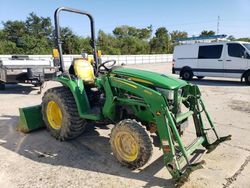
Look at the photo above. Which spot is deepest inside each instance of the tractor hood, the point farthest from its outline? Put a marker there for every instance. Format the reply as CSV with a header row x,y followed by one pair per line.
x,y
151,78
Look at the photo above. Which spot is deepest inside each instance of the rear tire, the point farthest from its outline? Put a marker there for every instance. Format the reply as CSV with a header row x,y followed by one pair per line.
x,y
131,144
60,114
187,75
247,78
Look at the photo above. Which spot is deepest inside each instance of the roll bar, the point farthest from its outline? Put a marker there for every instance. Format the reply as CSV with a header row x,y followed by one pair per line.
x,y
58,34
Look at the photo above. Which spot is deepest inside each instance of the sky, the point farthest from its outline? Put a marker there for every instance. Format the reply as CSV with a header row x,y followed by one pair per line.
x,y
192,16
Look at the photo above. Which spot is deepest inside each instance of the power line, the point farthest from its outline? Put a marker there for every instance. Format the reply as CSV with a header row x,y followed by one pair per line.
x,y
235,20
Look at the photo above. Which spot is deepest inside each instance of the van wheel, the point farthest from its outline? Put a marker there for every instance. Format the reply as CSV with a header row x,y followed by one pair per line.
x,y
247,78
187,75
200,77
2,86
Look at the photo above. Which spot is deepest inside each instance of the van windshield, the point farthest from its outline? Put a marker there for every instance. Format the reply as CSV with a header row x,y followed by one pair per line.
x,y
247,45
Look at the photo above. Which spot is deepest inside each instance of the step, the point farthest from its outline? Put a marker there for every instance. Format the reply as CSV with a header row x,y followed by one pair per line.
x,y
182,116
195,144
193,147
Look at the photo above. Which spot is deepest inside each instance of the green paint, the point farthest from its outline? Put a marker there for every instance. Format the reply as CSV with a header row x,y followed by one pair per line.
x,y
30,119
137,90
77,88
158,80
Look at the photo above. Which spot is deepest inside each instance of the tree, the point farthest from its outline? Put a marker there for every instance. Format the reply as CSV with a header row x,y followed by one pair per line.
x,y
160,43
71,44
34,36
128,31
85,45
39,26
245,39
133,45
207,33
39,35
132,40
178,35
108,43
231,38
144,33
6,46
174,36
13,30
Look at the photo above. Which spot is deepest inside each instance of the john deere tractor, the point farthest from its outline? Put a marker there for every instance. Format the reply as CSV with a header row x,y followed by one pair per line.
x,y
137,102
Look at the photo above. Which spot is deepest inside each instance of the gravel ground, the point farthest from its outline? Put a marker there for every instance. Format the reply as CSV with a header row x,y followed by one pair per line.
x,y
38,160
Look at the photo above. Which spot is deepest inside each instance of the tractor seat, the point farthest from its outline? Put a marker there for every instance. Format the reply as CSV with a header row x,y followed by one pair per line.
x,y
83,69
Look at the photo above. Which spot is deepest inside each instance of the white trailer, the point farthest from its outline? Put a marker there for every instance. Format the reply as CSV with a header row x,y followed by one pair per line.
x,y
21,69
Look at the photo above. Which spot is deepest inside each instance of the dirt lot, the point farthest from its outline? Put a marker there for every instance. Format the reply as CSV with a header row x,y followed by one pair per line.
x,y
38,160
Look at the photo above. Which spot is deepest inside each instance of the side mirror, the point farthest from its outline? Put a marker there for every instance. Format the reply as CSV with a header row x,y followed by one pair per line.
x,y
246,55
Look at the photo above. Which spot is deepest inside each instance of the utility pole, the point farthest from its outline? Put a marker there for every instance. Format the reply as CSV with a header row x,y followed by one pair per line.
x,y
218,25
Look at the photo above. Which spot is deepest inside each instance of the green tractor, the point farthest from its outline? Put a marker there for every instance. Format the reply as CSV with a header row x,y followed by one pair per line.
x,y
135,101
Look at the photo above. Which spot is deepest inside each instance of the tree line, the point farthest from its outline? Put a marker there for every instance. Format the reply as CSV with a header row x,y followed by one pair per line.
x,y
35,35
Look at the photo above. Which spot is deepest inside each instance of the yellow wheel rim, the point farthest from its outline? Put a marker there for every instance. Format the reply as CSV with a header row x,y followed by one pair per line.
x,y
54,115
126,146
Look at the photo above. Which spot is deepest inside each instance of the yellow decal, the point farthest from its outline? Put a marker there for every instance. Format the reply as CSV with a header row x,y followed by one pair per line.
x,y
158,113
141,80
131,85
148,92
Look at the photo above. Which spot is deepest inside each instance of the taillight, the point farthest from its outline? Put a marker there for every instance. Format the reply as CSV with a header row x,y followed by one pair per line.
x,y
173,63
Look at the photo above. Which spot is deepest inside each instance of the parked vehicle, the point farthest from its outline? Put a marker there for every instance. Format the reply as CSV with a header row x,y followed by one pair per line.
x,y
216,59
21,69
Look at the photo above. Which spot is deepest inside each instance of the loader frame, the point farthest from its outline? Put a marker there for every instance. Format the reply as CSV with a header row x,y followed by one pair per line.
x,y
176,160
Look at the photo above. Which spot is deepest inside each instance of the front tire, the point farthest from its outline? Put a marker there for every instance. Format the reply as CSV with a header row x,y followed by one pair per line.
x,y
187,75
131,144
247,78
60,114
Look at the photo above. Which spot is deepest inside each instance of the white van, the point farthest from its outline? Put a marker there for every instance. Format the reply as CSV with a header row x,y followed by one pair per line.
x,y
217,59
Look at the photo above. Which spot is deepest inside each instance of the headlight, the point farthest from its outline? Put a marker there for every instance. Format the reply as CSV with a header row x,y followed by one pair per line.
x,y
168,93
179,92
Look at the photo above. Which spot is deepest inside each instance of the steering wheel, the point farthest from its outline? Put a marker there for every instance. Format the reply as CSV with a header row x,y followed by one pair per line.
x,y
109,67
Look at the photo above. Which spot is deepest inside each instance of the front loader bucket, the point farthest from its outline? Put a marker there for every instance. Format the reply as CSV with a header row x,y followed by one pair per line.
x,y
30,119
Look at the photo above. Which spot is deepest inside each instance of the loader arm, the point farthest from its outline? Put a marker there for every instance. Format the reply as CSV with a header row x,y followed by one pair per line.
x,y
177,162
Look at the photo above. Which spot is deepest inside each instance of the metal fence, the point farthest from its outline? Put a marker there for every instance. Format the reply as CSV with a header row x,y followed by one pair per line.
x,y
121,59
